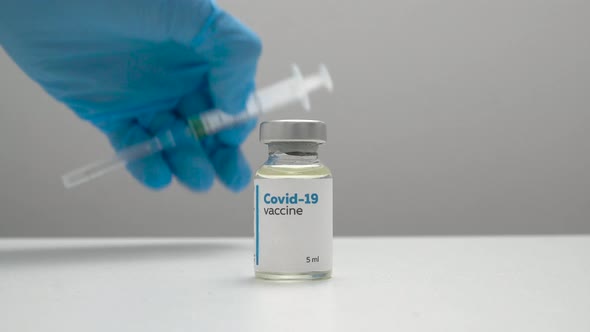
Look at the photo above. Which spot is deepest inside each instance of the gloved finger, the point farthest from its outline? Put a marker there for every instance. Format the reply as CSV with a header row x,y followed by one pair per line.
x,y
152,171
194,103
188,161
168,126
230,164
190,164
156,121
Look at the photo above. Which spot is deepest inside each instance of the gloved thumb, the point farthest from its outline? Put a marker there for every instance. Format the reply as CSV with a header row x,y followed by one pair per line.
x,y
232,51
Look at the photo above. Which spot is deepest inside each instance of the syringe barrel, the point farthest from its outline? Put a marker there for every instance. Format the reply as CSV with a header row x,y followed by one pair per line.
x,y
259,102
275,96
141,150
134,152
213,121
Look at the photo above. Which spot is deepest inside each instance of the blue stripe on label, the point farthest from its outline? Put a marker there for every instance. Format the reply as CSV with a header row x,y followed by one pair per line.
x,y
257,228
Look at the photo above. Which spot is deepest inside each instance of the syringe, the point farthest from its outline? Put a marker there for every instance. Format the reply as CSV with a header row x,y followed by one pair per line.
x,y
266,100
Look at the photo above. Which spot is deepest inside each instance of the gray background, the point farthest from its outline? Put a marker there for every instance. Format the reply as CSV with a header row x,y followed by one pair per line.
x,y
449,117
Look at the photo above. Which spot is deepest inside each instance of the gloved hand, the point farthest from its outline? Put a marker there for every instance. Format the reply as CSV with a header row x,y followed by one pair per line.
x,y
134,68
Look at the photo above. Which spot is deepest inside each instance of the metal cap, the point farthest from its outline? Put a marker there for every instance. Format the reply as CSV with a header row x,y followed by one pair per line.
x,y
293,131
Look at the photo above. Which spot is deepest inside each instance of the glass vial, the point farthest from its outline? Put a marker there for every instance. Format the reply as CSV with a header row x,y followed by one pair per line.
x,y
293,203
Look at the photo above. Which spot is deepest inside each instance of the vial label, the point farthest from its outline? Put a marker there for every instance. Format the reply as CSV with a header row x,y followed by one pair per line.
x,y
293,225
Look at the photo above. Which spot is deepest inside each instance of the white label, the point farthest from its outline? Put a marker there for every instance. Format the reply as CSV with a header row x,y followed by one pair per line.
x,y
293,225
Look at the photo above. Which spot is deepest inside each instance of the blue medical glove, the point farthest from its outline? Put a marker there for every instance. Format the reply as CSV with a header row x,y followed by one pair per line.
x,y
135,68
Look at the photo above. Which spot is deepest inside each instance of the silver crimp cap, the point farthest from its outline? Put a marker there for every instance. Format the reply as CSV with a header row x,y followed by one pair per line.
x,y
293,131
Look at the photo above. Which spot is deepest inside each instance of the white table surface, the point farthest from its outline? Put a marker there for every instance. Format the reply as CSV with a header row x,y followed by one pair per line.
x,y
379,284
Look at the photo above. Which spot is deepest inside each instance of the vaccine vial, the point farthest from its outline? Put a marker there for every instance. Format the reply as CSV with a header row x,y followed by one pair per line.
x,y
293,203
